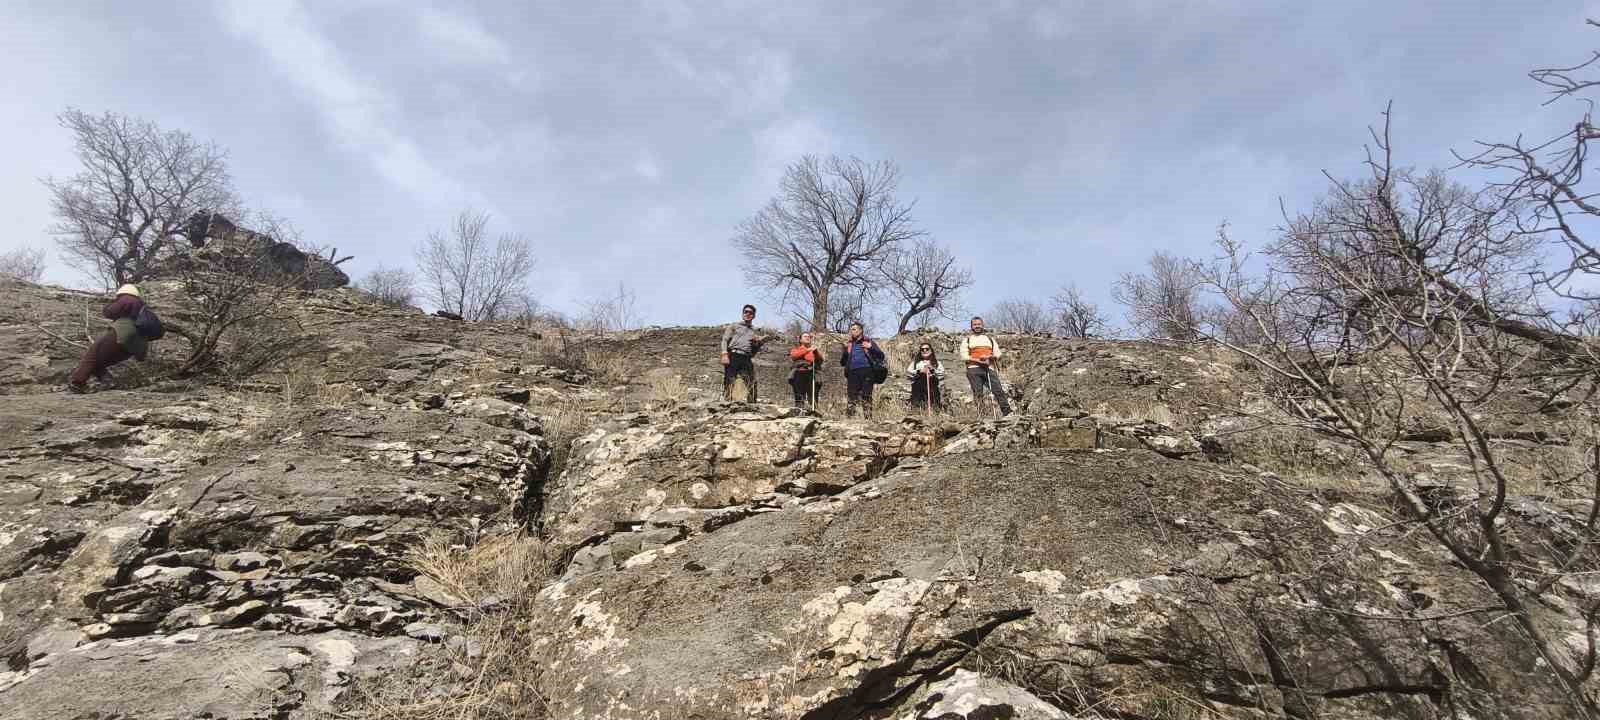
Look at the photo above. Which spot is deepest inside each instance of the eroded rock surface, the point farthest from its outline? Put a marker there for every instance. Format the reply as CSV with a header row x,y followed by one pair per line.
x,y
1109,551
217,559
1084,572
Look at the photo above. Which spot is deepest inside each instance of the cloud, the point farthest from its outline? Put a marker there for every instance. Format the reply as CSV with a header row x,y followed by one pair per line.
x,y
354,109
646,167
460,37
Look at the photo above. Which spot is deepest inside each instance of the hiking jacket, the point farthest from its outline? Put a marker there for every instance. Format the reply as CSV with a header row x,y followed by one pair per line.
x,y
914,370
975,347
857,356
125,306
804,358
121,312
740,338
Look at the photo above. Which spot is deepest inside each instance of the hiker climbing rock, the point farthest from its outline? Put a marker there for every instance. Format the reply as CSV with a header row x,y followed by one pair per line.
x,y
803,377
863,368
739,343
926,374
981,352
133,327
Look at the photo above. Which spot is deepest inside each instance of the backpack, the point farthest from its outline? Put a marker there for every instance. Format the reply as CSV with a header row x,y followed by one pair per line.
x,y
879,370
148,324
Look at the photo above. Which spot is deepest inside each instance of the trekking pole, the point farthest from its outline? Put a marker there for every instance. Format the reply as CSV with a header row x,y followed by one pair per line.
x,y
996,387
814,382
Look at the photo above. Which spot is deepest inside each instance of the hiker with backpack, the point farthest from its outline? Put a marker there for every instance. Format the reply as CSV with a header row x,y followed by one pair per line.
x,y
926,374
863,363
739,343
803,376
981,352
132,328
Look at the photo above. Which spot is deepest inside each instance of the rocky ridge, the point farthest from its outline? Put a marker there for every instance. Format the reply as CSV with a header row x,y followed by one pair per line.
x,y
1115,550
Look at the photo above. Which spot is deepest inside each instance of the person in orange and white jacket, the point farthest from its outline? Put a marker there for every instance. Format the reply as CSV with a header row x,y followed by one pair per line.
x,y
803,377
980,350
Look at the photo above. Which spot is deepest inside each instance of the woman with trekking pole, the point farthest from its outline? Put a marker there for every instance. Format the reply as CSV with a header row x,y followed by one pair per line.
x,y
927,376
803,373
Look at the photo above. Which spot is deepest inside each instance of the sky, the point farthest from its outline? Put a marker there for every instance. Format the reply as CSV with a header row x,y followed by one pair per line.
x,y
1045,143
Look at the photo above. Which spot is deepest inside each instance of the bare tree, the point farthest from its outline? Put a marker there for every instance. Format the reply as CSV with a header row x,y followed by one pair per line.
x,y
394,287
1019,316
466,273
615,312
1076,316
924,279
853,305
1164,303
241,314
122,213
830,228
1407,294
524,310
24,263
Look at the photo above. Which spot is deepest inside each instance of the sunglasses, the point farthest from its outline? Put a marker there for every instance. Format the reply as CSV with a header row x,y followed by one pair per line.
x,y
926,348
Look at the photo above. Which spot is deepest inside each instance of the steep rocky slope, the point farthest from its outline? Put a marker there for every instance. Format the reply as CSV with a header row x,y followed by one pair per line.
x,y
1117,549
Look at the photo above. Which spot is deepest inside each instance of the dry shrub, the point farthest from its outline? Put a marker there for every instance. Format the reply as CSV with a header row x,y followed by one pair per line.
x,y
1298,455
737,390
606,368
498,672
666,390
557,347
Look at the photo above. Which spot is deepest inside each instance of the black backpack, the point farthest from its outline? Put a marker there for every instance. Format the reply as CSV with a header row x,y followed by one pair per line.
x,y
879,370
148,324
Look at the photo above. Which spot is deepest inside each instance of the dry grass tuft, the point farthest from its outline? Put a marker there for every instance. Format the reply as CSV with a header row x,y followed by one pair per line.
x,y
307,384
1136,411
1056,681
667,390
607,369
564,423
497,670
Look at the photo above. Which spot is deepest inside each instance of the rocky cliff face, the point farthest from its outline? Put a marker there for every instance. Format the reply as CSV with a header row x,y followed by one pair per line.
x,y
272,551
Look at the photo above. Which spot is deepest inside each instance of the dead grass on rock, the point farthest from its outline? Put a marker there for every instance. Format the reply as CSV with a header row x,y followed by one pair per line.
x,y
492,666
666,390
564,423
606,368
1057,682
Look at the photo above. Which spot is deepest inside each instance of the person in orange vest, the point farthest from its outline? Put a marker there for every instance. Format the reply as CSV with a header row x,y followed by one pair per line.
x,y
803,377
980,351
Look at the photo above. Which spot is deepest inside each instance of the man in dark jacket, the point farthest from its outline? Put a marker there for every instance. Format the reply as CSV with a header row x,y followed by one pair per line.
x,y
859,356
120,342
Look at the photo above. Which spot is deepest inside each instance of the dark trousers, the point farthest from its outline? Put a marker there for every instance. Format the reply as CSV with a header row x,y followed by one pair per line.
x,y
986,380
104,353
739,366
858,389
805,391
921,388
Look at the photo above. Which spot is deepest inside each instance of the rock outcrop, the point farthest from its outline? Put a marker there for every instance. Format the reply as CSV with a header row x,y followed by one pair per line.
x,y
1116,549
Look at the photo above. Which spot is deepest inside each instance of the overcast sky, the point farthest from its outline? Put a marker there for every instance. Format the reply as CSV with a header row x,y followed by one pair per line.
x,y
1047,143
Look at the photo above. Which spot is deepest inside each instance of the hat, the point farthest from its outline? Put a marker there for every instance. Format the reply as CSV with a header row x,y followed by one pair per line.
x,y
128,289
